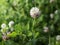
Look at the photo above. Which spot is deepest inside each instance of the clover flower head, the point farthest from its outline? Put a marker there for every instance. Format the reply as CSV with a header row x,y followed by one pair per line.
x,y
51,1
46,29
58,37
51,15
34,12
11,23
56,11
3,26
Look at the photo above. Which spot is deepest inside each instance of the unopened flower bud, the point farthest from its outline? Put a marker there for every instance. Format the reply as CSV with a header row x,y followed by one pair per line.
x,y
11,23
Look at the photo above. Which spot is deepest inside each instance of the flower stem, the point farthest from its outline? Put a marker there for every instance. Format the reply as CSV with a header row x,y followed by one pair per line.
x,y
54,40
33,32
2,42
49,40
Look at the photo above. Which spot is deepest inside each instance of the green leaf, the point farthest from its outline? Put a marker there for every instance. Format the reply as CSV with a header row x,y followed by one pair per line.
x,y
30,34
36,34
13,34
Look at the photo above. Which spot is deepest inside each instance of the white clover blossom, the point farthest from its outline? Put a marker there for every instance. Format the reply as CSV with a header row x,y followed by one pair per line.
x,y
58,37
56,11
46,29
11,23
51,15
3,26
51,1
34,12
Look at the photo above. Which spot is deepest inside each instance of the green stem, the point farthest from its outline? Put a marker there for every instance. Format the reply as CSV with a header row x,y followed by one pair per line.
x,y
49,40
34,2
58,42
54,40
2,42
33,32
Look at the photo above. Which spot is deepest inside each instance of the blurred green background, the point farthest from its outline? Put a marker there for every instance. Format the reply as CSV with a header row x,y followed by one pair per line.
x,y
19,12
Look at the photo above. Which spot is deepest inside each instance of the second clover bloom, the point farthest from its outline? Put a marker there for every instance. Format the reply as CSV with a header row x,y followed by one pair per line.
x,y
58,37
11,23
46,29
34,12
56,11
3,26
51,1
51,16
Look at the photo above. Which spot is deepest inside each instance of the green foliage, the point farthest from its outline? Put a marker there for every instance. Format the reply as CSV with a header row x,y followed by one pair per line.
x,y
29,31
